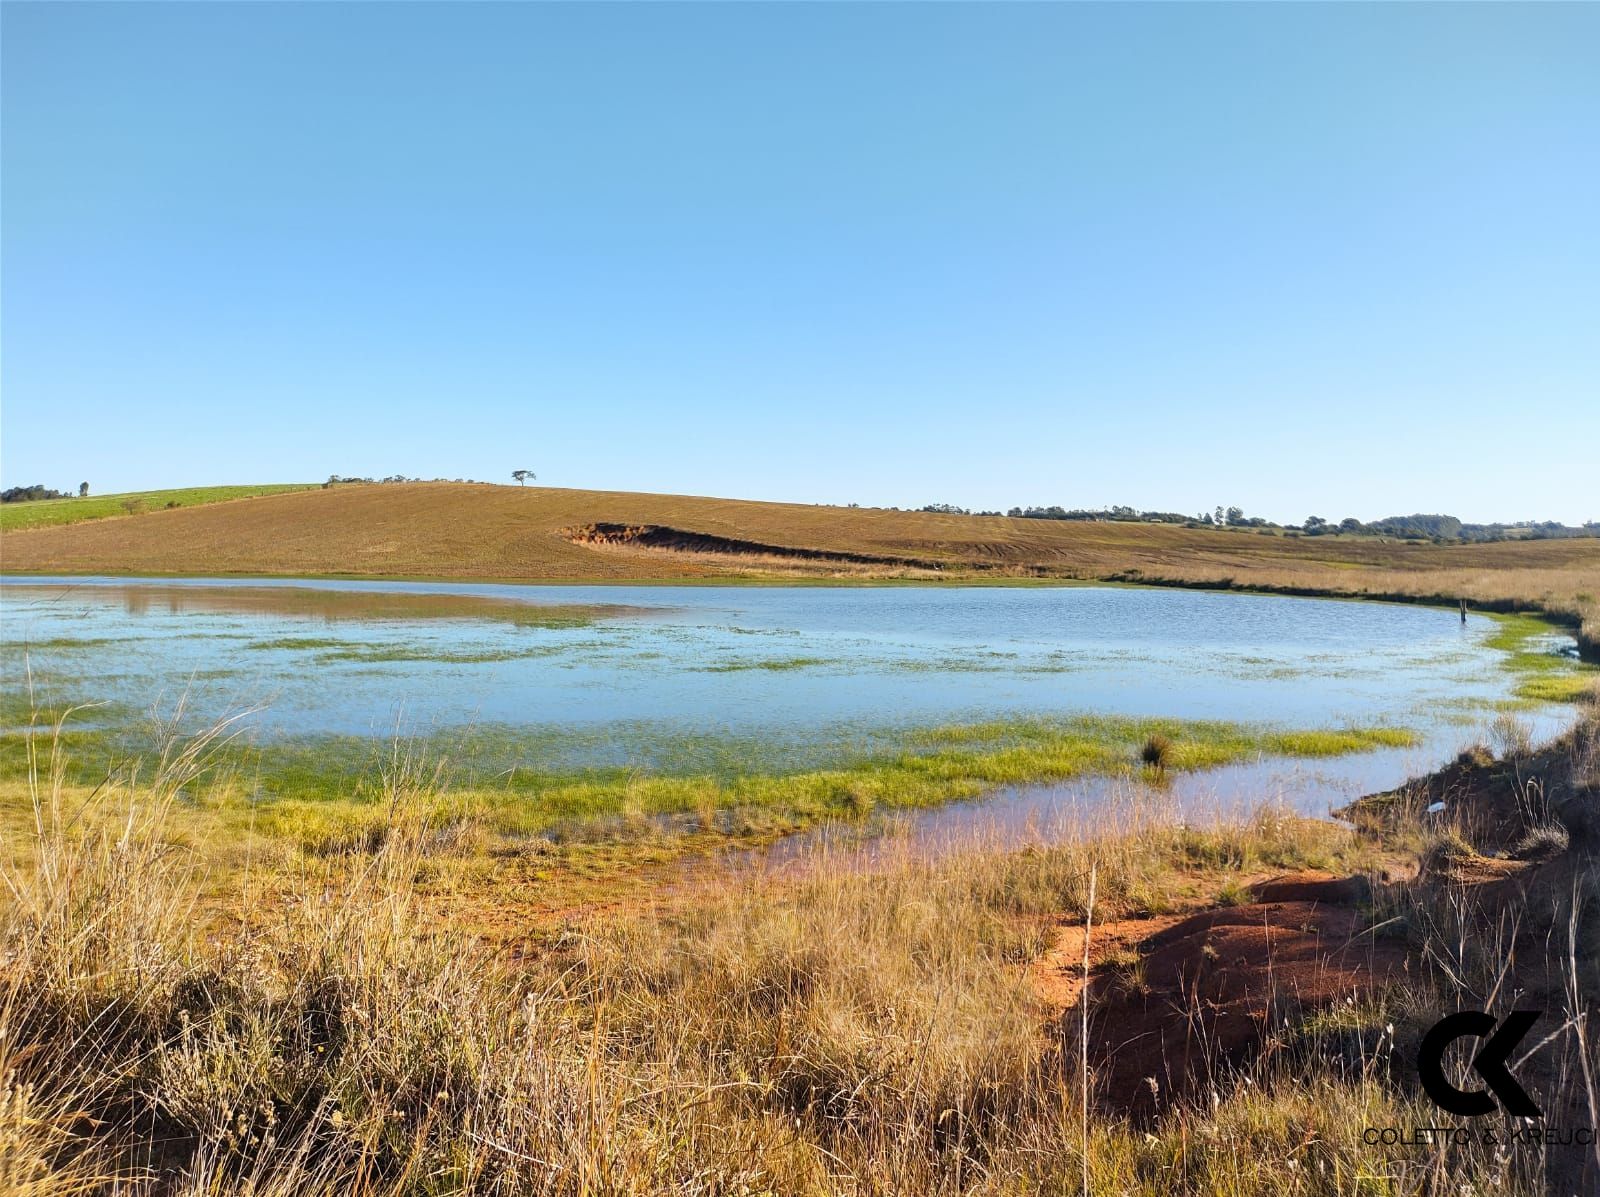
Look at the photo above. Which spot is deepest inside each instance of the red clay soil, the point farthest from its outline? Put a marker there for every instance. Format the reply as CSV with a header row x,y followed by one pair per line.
x,y
1203,995
657,538
1177,1001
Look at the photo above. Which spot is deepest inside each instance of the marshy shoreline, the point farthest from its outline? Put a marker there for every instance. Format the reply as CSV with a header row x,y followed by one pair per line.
x,y
622,778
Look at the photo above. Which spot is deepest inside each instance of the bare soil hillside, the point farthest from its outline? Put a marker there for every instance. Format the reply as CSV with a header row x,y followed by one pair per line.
x,y
449,530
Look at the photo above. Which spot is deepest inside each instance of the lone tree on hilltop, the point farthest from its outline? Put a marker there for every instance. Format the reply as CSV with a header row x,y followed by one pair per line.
x,y
83,490
522,476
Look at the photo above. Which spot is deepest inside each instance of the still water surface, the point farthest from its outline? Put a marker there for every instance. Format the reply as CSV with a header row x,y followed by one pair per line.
x,y
797,665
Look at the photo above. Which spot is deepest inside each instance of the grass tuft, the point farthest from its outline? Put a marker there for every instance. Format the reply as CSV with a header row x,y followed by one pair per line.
x,y
1156,751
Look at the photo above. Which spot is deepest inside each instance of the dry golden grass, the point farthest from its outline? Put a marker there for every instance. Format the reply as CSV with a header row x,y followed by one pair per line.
x,y
853,1032
448,530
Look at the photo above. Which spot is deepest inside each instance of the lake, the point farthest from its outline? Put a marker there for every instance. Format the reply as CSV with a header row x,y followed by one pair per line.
x,y
632,674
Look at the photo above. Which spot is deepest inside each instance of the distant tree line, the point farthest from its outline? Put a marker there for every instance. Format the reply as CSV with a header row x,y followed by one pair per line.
x,y
27,494
351,479
1448,527
1221,517
947,509
1398,527
1125,515
522,477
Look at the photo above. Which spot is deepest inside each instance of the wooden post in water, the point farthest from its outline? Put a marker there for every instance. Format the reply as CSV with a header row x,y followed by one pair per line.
x,y
1463,610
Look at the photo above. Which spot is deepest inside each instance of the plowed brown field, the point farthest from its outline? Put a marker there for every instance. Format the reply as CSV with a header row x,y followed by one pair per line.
x,y
447,530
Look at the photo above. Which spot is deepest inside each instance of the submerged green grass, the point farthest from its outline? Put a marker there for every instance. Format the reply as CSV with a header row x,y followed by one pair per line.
x,y
1543,674
1319,742
372,654
296,644
775,665
325,792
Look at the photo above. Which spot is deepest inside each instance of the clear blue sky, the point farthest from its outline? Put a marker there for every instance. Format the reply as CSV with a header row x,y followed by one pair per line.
x,y
1305,259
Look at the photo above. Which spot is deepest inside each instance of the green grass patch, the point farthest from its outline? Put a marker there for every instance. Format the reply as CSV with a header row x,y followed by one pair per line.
x,y
777,665
1544,674
58,643
295,644
522,782
45,707
1571,687
1337,741
45,513
379,653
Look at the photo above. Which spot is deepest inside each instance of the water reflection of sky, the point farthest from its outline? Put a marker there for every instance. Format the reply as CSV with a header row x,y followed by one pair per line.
x,y
791,661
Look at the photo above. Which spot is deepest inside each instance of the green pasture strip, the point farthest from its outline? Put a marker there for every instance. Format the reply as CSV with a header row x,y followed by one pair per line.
x,y
45,513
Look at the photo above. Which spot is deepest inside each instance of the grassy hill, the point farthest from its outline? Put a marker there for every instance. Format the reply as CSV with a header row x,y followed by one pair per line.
x,y
451,530
46,513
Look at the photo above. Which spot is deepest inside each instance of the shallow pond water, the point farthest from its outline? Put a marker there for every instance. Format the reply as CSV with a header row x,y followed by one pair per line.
x,y
1016,816
796,666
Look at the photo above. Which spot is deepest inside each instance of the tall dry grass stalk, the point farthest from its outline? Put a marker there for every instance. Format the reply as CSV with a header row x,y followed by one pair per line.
x,y
1083,1021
